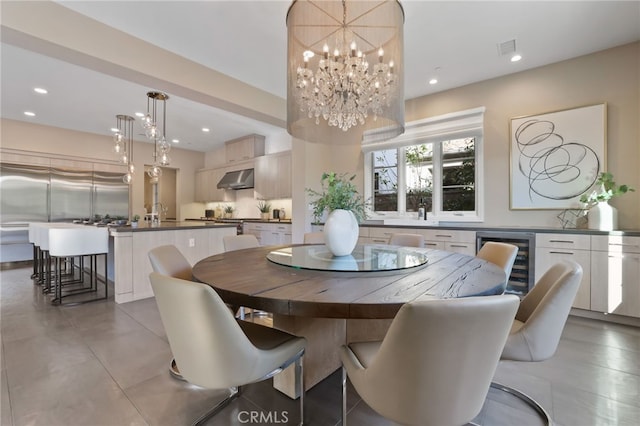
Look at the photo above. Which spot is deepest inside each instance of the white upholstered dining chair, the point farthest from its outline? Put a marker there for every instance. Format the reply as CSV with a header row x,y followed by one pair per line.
x,y
538,324
406,240
168,260
239,242
216,351
501,254
436,362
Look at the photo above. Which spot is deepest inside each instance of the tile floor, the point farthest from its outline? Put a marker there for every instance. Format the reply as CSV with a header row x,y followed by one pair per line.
x,y
106,364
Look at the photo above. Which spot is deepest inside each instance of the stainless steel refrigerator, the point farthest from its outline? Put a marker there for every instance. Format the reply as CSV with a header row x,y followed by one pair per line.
x,y
110,195
42,194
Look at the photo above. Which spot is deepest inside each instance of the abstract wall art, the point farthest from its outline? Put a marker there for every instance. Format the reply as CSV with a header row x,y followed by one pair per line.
x,y
556,157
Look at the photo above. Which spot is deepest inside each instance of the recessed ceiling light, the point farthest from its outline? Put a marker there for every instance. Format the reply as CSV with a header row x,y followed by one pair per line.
x,y
205,129
40,90
516,58
433,81
115,129
175,140
139,114
30,114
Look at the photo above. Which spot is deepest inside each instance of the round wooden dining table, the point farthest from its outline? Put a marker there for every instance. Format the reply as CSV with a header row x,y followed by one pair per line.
x,y
333,301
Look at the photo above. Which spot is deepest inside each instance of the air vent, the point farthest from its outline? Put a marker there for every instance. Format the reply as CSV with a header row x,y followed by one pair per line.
x,y
507,47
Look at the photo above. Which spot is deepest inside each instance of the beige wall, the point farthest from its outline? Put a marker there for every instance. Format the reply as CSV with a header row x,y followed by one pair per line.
x,y
68,144
611,76
310,160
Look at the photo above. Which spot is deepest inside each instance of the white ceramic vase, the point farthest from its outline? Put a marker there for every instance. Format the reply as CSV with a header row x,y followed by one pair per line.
x,y
341,232
603,217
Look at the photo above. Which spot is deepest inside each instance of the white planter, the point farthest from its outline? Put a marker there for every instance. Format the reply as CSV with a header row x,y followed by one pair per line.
x,y
603,217
341,232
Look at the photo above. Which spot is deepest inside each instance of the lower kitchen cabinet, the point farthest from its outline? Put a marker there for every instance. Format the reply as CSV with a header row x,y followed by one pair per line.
x,y
552,248
615,272
269,234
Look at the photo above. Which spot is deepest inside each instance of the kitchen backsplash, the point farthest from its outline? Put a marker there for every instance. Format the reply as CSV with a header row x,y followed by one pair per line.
x,y
247,207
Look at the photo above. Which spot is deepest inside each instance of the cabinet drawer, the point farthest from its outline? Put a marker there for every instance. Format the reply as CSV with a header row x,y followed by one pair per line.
x,y
437,245
564,241
615,244
547,257
449,235
464,248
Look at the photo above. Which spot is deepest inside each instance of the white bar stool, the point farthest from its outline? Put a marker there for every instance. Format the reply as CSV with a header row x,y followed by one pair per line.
x,y
39,233
79,241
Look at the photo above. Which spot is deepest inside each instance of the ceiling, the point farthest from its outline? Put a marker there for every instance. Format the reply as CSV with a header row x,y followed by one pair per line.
x,y
455,41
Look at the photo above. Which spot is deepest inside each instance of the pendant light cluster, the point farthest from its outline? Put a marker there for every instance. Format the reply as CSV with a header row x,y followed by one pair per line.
x,y
123,146
123,137
152,131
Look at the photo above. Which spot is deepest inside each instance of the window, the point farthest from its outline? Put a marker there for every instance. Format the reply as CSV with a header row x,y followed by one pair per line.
x,y
436,163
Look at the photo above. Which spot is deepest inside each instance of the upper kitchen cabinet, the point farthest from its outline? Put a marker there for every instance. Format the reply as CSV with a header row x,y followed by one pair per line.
x,y
273,176
207,189
244,148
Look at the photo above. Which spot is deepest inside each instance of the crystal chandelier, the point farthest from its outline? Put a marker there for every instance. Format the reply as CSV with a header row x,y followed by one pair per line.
x,y
123,146
152,131
331,83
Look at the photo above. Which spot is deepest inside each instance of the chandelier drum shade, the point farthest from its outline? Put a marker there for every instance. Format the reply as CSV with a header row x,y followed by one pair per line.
x,y
345,71
123,144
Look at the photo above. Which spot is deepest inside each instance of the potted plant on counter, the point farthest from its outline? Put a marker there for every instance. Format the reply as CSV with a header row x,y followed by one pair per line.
x,y
228,212
264,208
601,215
346,207
134,221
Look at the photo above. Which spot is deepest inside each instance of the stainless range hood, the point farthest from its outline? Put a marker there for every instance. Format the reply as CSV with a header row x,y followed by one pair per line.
x,y
238,179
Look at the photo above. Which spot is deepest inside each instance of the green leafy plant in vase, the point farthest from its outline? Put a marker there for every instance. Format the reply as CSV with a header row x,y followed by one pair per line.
x,y
340,198
135,220
601,215
264,208
228,212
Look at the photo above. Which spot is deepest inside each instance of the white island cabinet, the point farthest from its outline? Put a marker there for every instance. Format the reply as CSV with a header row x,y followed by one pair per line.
x,y
131,248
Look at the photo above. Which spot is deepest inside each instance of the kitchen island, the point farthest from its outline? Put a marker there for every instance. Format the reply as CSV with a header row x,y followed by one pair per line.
x,y
129,248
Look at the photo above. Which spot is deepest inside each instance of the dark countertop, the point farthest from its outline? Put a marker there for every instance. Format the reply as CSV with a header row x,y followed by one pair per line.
x,y
482,228
172,226
241,219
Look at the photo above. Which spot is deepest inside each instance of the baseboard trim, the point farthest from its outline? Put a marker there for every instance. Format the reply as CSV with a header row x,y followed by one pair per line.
x,y
618,319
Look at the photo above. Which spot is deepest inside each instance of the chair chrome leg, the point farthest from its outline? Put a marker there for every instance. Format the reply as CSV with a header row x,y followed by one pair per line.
x,y
300,385
526,399
233,394
344,396
174,371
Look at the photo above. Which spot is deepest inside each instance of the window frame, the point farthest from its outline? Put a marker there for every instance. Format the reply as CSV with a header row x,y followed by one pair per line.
x,y
457,125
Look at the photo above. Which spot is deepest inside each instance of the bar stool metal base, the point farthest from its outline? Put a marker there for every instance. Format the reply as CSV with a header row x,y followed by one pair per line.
x,y
526,399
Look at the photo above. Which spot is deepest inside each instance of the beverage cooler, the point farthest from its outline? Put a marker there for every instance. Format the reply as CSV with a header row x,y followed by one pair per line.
x,y
522,277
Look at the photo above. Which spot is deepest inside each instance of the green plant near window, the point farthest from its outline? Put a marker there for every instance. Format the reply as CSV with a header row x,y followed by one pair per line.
x,y
136,217
338,192
608,189
264,207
